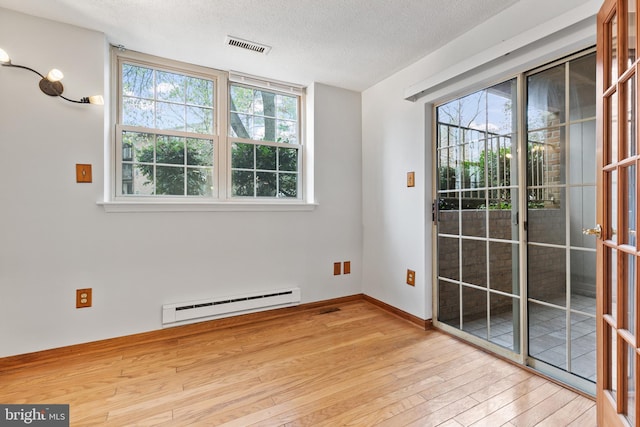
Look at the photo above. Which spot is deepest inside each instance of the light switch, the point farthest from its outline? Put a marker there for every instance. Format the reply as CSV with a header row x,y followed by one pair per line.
x,y
411,179
83,173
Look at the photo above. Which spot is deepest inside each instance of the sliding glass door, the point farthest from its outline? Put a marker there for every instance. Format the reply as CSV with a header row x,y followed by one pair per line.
x,y
515,188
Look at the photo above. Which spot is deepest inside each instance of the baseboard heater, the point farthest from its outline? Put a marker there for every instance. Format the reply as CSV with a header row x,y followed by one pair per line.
x,y
215,308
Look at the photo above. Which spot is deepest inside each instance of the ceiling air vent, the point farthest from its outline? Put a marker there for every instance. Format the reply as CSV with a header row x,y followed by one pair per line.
x,y
249,45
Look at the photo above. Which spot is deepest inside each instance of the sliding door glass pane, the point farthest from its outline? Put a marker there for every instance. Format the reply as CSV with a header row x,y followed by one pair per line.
x,y
474,262
448,258
546,97
449,303
561,191
547,274
477,212
504,321
548,334
503,267
583,346
474,312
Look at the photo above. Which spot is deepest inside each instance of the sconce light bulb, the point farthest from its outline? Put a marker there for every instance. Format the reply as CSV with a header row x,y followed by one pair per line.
x,y
55,75
96,99
4,57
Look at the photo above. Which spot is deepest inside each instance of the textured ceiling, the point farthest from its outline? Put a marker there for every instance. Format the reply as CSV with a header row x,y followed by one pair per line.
x,y
347,43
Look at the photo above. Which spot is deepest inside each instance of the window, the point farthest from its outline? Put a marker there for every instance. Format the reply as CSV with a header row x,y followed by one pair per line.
x,y
265,143
186,133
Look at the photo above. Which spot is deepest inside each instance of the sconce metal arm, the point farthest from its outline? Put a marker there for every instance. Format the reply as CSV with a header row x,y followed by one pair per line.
x,y
23,67
83,100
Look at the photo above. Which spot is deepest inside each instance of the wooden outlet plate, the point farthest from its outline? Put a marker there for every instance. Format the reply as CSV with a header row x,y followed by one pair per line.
x,y
83,298
346,267
337,268
411,277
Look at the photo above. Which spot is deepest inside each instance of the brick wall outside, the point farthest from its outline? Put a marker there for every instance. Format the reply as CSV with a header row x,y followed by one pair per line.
x,y
546,272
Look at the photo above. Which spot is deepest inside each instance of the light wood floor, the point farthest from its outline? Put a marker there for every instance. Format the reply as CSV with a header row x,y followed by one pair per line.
x,y
358,365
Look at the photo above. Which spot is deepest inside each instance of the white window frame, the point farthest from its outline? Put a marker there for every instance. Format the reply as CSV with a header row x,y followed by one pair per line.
x,y
221,199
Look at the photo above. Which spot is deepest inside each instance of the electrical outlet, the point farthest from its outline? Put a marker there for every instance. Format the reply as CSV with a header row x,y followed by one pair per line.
x,y
337,268
83,298
346,267
411,277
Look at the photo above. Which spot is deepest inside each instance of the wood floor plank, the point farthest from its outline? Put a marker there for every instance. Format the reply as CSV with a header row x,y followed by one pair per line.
x,y
214,396
587,419
317,410
445,413
350,363
440,395
450,423
389,411
543,409
503,386
569,413
300,397
376,401
430,413
520,399
472,383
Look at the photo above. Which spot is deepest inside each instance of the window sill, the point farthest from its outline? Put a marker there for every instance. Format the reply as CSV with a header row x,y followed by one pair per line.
x,y
181,206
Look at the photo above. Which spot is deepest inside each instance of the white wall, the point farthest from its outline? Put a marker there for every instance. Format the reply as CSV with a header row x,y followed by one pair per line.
x,y
393,133
54,238
397,135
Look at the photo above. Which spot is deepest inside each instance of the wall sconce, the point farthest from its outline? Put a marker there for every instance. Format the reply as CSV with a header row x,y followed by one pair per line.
x,y
50,84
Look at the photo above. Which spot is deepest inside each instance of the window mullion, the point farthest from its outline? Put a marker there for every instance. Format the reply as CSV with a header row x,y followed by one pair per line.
x,y
223,145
